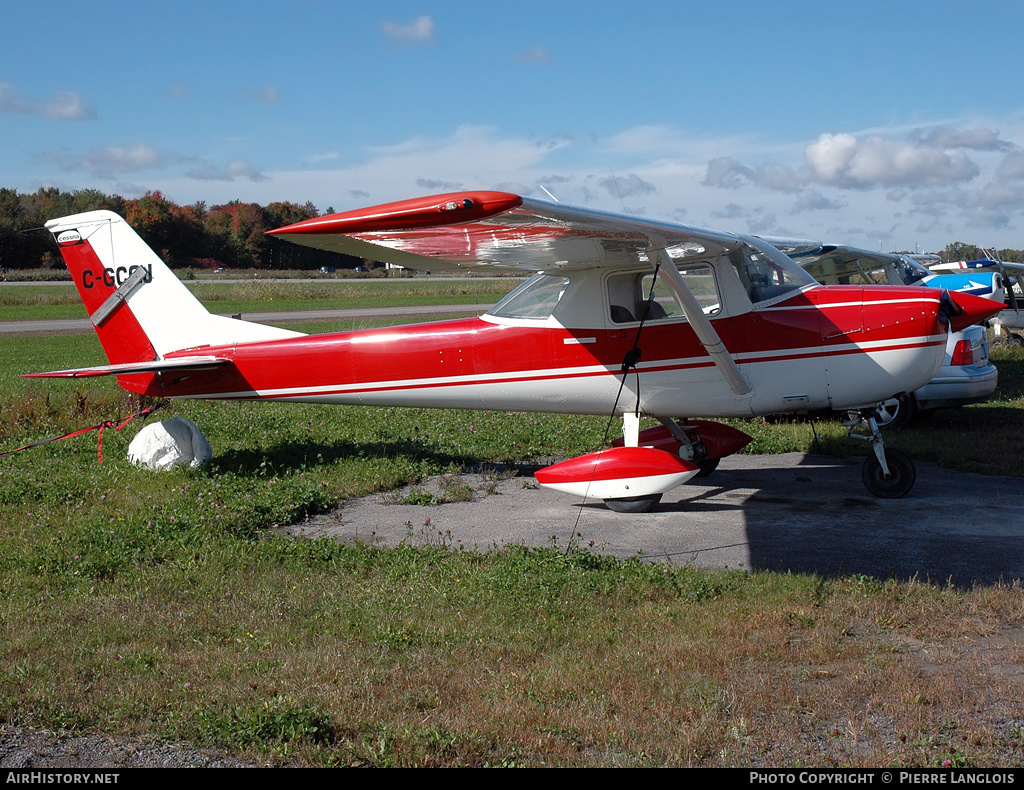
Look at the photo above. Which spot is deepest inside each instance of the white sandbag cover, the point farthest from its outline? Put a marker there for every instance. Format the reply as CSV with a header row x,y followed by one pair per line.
x,y
169,443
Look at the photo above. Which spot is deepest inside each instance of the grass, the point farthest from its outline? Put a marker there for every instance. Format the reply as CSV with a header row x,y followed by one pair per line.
x,y
160,607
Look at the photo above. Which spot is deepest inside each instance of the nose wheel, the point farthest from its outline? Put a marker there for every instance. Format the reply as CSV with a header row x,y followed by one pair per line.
x,y
887,473
892,482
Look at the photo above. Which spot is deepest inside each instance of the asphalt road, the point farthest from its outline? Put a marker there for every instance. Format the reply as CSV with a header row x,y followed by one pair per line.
x,y
791,512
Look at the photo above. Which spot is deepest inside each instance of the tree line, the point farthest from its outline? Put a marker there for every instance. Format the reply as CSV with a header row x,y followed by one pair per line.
x,y
958,251
231,235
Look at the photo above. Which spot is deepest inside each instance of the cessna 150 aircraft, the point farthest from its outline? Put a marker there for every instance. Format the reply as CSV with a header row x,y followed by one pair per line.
x,y
624,316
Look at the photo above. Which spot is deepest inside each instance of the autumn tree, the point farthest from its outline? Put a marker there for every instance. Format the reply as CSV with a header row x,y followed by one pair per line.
x,y
958,251
237,232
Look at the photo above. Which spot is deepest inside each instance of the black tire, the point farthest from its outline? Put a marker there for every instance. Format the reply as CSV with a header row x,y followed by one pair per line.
x,y
902,475
707,467
635,504
895,413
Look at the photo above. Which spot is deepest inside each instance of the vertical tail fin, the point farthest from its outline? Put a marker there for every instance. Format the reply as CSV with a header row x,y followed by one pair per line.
x,y
140,310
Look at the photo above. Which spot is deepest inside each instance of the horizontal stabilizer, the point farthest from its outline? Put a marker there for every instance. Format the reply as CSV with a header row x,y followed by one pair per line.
x,y
125,368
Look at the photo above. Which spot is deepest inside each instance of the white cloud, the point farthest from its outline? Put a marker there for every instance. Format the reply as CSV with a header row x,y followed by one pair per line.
x,y
730,211
418,31
725,172
268,94
851,162
435,184
1011,167
813,200
107,161
629,185
536,56
848,161
908,187
974,139
235,170
472,157
64,106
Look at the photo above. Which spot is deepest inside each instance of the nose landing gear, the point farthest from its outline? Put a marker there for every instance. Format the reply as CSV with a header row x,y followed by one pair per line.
x,y
887,473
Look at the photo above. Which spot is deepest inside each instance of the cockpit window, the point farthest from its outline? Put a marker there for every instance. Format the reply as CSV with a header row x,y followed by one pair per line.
x,y
765,272
536,298
910,271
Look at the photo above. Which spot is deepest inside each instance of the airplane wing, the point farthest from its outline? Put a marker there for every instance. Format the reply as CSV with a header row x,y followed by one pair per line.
x,y
458,230
959,266
124,368
498,229
807,252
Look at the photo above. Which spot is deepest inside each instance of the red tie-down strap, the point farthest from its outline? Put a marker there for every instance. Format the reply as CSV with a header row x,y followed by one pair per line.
x,y
115,424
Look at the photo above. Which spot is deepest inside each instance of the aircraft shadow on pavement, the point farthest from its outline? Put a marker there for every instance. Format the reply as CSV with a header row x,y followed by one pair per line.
x,y
799,514
817,518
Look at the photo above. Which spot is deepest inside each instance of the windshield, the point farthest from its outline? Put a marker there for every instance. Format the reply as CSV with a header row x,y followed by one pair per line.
x,y
765,272
910,271
536,298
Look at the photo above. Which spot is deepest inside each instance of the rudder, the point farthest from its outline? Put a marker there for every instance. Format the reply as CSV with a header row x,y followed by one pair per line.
x,y
139,309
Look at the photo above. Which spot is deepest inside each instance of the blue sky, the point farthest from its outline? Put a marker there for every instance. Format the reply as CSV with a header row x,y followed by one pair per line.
x,y
894,125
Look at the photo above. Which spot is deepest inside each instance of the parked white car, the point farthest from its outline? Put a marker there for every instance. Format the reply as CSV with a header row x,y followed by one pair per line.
x,y
966,376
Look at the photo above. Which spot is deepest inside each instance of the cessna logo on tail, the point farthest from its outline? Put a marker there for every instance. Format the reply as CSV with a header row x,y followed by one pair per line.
x,y
69,237
112,277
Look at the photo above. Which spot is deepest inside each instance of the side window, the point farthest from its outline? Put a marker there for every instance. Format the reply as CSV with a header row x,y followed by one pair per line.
x,y
700,279
622,297
858,275
628,295
663,303
843,272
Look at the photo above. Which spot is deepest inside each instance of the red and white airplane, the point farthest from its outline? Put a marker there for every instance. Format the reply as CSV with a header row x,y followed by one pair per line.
x,y
624,316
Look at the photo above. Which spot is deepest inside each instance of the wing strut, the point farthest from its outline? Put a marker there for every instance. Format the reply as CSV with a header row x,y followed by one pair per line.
x,y
701,325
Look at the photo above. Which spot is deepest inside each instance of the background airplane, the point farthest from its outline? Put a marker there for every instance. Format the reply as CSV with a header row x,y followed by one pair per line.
x,y
624,317
988,277
838,263
1012,273
966,376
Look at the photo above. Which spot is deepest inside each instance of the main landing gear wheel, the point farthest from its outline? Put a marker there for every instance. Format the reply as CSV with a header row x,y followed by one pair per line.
x,y
897,483
1011,339
635,504
707,466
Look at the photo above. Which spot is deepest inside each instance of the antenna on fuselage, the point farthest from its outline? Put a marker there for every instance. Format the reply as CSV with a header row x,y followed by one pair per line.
x,y
548,193
615,184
